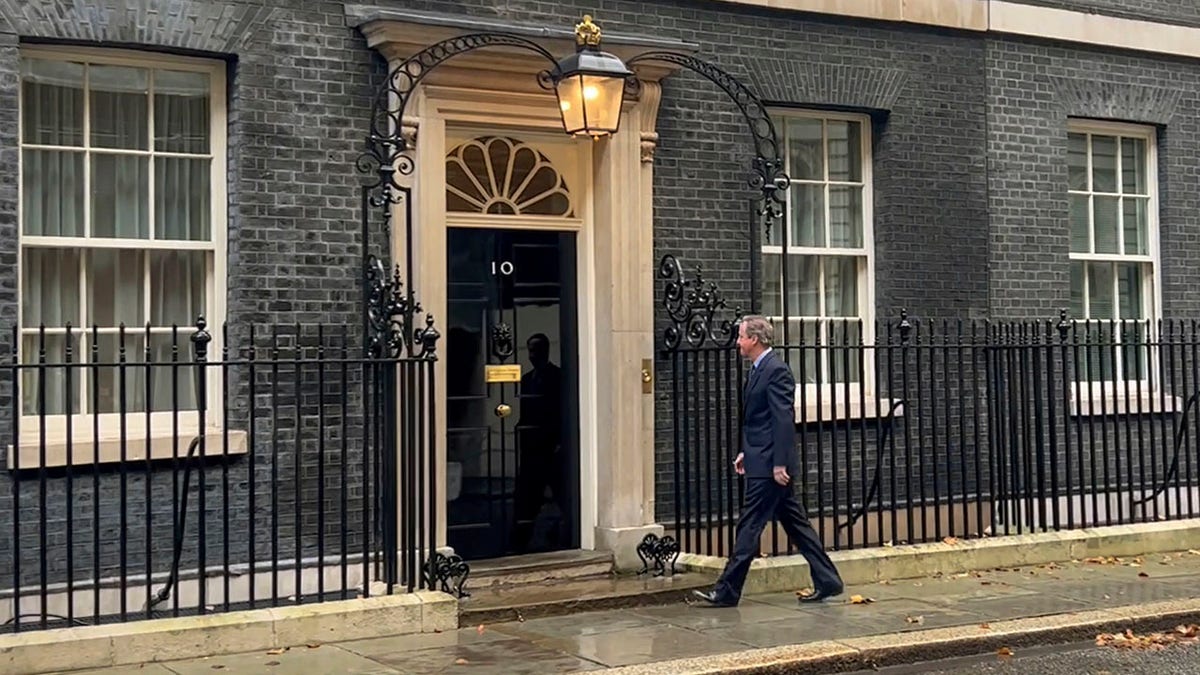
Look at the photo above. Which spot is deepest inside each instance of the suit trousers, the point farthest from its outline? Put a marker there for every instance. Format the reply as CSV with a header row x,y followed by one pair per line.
x,y
765,499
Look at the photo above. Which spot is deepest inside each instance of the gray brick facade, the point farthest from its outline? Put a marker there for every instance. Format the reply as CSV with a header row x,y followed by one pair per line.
x,y
969,149
1179,12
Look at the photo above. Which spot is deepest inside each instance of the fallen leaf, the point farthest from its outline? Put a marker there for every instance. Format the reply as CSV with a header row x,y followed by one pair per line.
x,y
217,667
480,629
860,600
1143,575
985,626
1004,652
952,541
277,651
888,544
272,663
919,620
461,662
1150,642
886,582
313,646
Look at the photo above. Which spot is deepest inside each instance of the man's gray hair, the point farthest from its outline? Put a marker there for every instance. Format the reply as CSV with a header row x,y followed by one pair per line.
x,y
760,329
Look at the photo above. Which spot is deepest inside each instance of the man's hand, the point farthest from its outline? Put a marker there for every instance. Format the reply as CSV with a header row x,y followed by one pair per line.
x,y
738,464
781,475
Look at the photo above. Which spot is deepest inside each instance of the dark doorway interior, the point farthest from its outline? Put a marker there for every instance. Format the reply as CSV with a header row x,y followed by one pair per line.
x,y
512,433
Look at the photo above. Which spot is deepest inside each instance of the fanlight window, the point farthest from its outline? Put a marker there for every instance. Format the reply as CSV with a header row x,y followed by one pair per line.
x,y
503,176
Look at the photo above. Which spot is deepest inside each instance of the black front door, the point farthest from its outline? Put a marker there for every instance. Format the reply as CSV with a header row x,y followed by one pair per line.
x,y
512,392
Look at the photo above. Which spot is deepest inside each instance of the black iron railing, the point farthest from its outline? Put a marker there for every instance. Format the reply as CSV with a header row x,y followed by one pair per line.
x,y
917,431
165,472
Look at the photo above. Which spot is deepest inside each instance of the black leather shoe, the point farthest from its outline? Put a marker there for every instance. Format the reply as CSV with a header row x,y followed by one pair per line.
x,y
821,594
711,598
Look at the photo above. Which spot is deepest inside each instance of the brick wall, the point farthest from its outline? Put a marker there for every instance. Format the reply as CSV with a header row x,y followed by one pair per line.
x,y
1181,12
969,147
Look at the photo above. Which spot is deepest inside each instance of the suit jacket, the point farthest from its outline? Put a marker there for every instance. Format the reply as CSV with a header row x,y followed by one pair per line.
x,y
768,419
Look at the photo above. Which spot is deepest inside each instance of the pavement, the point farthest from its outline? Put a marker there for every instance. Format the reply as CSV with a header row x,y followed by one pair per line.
x,y
1018,605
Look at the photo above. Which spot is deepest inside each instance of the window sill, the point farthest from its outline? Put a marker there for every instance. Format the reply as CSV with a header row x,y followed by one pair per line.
x,y
1097,404
833,408
139,446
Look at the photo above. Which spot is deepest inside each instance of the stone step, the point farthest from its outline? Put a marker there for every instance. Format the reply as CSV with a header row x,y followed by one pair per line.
x,y
500,603
538,568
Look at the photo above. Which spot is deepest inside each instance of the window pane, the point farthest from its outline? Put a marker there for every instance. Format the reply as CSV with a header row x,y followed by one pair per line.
x,y
116,288
1105,218
1133,352
772,284
845,352
802,359
1077,290
841,286
120,116
177,287
181,111
1098,338
115,381
845,216
1136,229
50,287
806,150
51,102
1100,291
173,387
1080,241
50,383
182,189
808,216
1077,162
120,196
1104,164
845,151
1129,291
1133,166
52,193
804,290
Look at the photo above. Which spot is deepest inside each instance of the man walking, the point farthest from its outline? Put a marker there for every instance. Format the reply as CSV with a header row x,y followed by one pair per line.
x,y
768,460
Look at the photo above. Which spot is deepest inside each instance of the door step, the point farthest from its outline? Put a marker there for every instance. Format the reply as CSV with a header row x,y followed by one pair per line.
x,y
521,602
539,568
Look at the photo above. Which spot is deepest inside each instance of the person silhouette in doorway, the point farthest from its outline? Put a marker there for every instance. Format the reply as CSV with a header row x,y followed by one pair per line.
x,y
539,509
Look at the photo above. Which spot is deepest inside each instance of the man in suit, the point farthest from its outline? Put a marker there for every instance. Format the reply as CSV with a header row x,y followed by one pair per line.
x,y
768,459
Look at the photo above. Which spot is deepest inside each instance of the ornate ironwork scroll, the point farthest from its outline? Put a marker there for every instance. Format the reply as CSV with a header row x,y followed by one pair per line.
x,y
661,551
692,307
766,169
391,316
387,148
448,574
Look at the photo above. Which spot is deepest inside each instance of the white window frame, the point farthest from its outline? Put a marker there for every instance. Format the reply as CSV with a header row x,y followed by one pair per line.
x,y
1115,396
832,396
167,430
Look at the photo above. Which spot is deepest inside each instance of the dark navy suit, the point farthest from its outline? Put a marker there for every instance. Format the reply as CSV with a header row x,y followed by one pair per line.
x,y
768,441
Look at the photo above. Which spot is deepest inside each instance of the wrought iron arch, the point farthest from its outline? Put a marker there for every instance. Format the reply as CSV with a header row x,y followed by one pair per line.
x,y
699,324
390,308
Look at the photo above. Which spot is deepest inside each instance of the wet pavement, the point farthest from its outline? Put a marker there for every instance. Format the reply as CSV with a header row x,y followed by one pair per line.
x,y
602,639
